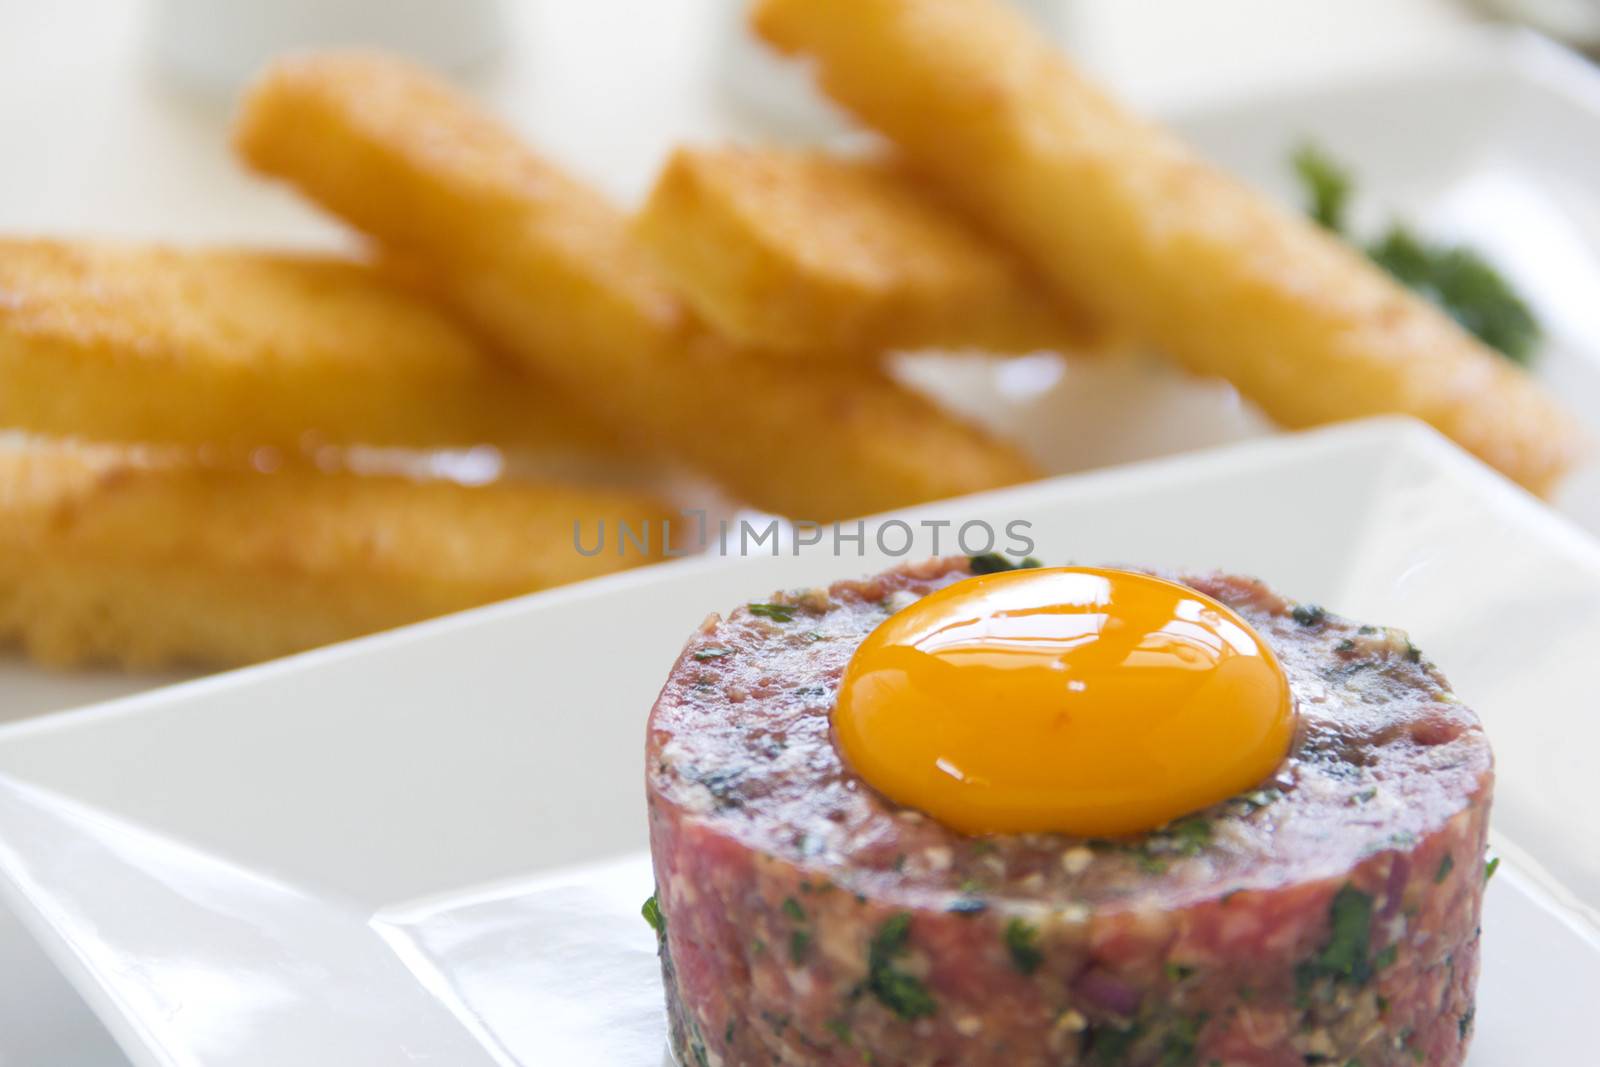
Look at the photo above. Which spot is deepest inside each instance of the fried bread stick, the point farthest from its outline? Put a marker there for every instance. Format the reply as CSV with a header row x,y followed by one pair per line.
x,y
109,554
815,253
1153,240
237,348
549,270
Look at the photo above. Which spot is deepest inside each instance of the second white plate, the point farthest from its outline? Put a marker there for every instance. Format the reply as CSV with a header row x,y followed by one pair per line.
x,y
252,901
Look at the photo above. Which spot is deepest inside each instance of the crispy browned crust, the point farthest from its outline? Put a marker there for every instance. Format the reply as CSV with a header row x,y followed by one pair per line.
x,y
1126,220
141,558
821,254
549,270
229,347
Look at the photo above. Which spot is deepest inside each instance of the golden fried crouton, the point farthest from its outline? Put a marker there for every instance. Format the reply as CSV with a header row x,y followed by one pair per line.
x,y
141,559
1151,239
240,348
548,269
815,253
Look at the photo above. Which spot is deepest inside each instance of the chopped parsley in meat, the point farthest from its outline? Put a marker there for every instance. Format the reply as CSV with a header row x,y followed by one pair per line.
x,y
1344,957
1308,614
1022,941
901,993
994,563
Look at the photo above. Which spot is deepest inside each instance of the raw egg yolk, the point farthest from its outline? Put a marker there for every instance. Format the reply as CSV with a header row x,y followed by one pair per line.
x,y
1073,700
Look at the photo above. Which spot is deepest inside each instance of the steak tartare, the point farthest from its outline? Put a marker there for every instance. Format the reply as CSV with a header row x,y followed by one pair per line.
x,y
1328,916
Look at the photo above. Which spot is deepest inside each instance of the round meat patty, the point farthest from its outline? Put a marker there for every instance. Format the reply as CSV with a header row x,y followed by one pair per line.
x,y
1329,916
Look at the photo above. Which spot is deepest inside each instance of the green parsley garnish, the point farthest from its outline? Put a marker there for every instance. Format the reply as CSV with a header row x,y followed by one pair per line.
x,y
1490,867
792,908
1465,285
1456,278
799,942
1446,865
1022,941
775,612
901,993
994,563
652,915
1327,185
712,652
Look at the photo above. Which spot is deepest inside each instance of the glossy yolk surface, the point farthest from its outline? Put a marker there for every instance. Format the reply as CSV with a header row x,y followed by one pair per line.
x,y
1084,701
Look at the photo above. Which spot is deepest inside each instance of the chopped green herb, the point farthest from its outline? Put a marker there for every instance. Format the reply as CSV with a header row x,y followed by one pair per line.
x,y
799,942
699,1051
1413,653
1178,1048
840,1029
1022,941
775,612
994,562
1179,972
1344,957
1456,278
1308,614
1256,799
792,908
1191,835
1110,1045
652,915
1463,283
1386,957
1346,645
1327,185
1490,867
1464,1023
901,993
1152,864
1446,865
712,652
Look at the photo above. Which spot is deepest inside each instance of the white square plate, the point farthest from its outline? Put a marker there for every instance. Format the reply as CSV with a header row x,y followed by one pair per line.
x,y
327,860
1492,142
